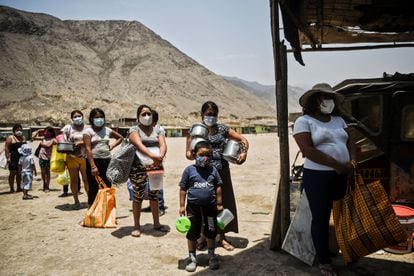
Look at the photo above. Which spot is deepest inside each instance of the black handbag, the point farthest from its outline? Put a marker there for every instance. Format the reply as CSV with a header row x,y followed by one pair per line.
x,y
37,151
65,147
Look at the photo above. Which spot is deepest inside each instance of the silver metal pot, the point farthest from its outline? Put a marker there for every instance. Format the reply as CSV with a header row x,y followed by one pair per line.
x,y
231,151
195,140
199,130
65,147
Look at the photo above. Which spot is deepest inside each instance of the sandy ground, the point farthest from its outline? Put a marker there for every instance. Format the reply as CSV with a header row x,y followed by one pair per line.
x,y
42,237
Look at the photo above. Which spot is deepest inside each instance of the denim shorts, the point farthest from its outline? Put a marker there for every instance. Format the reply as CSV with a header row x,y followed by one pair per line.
x,y
27,180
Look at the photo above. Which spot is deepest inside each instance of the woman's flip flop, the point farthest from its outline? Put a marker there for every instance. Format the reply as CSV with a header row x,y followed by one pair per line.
x,y
136,233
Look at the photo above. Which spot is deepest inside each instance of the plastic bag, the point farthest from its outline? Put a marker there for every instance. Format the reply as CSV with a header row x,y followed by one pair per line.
x,y
102,213
121,161
365,221
3,160
57,161
63,178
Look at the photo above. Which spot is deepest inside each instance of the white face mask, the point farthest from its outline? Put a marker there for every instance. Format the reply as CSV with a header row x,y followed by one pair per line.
x,y
327,106
18,133
145,120
210,120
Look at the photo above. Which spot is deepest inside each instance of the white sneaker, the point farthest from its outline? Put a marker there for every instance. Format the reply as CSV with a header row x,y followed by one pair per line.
x,y
191,266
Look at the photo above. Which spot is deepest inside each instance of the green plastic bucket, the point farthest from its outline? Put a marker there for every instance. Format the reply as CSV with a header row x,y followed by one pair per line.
x,y
183,224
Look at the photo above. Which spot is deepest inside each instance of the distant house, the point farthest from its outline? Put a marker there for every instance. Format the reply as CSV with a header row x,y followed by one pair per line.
x,y
261,128
123,130
5,132
247,130
173,131
236,127
127,121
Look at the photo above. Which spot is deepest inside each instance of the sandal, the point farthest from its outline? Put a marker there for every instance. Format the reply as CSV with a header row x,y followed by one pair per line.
x,y
25,197
77,206
226,245
136,233
327,270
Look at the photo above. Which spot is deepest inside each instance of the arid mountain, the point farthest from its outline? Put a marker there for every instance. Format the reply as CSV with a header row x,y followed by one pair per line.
x,y
50,67
267,92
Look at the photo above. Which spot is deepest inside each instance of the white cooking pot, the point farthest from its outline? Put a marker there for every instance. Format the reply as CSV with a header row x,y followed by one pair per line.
x,y
199,130
231,151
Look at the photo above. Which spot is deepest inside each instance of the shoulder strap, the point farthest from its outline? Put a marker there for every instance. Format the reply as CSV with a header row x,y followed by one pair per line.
x,y
66,133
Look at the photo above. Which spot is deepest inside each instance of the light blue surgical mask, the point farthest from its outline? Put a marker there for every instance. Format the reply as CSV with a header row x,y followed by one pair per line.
x,y
78,121
210,120
99,122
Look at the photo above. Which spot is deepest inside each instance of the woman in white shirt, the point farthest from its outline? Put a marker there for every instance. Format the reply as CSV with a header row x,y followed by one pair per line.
x,y
324,140
97,140
145,136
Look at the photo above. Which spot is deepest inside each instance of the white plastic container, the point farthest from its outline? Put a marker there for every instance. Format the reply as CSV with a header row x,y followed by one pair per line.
x,y
155,179
224,218
145,159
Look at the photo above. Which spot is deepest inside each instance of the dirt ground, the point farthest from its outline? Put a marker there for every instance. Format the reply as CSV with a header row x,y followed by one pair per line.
x,y
42,236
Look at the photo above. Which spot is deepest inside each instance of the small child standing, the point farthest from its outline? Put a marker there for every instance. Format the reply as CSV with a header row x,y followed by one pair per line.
x,y
26,168
201,184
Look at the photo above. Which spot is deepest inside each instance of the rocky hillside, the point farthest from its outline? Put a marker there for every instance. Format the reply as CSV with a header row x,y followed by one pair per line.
x,y
50,67
267,92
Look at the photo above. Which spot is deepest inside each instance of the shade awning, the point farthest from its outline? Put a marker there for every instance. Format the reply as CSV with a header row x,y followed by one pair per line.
x,y
311,24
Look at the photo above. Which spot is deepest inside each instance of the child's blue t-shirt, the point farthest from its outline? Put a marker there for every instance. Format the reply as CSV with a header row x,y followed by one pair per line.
x,y
200,183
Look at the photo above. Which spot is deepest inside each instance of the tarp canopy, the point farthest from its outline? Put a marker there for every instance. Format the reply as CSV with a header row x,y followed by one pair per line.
x,y
318,22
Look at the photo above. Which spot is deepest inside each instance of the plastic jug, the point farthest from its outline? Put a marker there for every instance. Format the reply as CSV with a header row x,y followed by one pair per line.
x,y
183,224
155,179
224,218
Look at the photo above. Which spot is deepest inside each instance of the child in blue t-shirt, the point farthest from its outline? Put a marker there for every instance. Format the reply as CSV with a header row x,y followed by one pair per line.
x,y
201,184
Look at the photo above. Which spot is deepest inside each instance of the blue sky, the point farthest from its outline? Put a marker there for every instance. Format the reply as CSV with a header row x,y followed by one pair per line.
x,y
229,37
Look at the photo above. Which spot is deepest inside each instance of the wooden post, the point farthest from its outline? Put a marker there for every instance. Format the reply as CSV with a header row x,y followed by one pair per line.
x,y
281,213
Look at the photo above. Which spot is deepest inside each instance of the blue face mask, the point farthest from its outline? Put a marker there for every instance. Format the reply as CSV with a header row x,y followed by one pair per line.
x,y
202,161
99,122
